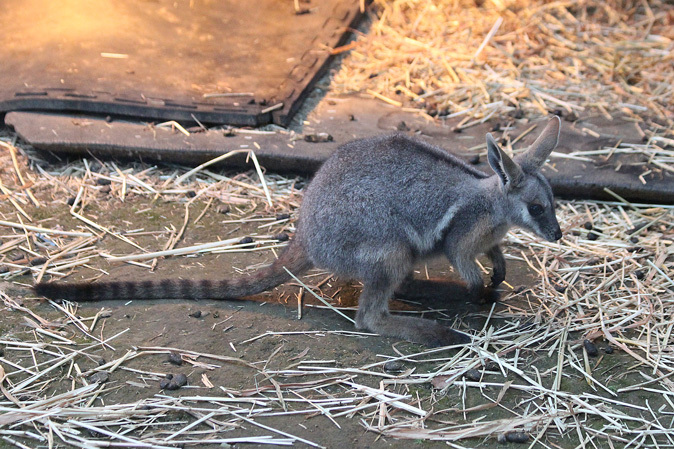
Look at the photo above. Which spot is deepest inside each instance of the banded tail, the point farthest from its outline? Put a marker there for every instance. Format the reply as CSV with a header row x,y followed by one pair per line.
x,y
294,258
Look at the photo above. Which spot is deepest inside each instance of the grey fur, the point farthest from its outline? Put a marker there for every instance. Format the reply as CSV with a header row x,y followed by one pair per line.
x,y
379,205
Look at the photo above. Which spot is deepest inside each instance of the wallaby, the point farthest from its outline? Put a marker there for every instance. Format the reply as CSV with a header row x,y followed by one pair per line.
x,y
376,207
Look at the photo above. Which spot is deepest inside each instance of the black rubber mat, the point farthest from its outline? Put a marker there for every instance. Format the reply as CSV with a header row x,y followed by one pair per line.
x,y
627,175
219,61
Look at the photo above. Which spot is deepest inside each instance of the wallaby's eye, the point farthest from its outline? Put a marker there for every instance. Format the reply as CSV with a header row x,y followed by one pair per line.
x,y
535,209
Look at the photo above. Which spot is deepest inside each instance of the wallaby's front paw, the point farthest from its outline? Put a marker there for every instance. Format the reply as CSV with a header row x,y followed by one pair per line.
x,y
497,278
445,336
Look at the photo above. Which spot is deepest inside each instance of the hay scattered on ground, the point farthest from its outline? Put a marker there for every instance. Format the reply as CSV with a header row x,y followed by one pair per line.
x,y
607,286
477,59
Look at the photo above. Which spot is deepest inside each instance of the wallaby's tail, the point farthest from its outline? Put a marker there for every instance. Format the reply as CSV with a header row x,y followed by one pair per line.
x,y
294,258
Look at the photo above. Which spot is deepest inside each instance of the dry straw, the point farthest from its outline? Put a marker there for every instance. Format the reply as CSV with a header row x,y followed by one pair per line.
x,y
609,281
612,285
473,59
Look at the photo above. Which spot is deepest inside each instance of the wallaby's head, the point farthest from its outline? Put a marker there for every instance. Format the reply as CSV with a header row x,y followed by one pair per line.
x,y
528,196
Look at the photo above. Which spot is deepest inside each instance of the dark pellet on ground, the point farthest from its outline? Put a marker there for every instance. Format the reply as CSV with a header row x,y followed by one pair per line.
x,y
196,314
516,437
592,235
520,289
71,201
164,383
590,348
171,382
103,182
191,193
473,375
99,377
638,227
175,358
475,159
608,349
101,362
575,232
352,118
640,274
282,217
394,366
634,239
560,288
588,225
246,241
496,127
282,237
180,379
38,261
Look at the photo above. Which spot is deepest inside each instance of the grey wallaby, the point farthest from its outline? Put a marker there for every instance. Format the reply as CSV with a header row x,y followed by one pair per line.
x,y
376,207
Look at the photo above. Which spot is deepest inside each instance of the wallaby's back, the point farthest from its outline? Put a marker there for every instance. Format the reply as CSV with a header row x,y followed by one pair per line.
x,y
377,192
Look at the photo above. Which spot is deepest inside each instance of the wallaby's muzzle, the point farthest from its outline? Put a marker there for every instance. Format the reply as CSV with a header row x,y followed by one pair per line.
x,y
553,233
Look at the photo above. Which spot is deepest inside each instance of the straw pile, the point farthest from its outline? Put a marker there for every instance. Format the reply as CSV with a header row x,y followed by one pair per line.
x,y
476,59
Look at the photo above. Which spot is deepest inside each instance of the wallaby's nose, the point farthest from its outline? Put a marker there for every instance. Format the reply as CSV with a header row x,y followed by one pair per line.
x,y
558,234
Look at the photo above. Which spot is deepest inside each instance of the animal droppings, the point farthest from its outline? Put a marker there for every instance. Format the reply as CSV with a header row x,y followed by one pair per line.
x,y
175,358
99,377
171,382
590,348
394,366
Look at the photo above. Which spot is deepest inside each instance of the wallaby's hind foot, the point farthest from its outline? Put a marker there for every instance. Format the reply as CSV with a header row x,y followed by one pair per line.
x,y
373,314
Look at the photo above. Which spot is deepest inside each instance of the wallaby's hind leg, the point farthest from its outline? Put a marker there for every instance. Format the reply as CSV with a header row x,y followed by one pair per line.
x,y
373,314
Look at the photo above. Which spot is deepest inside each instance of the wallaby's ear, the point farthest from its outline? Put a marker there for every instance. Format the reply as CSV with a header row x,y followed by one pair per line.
x,y
534,158
509,172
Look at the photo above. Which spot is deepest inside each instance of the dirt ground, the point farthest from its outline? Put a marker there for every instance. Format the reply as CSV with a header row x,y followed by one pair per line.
x,y
214,338
224,327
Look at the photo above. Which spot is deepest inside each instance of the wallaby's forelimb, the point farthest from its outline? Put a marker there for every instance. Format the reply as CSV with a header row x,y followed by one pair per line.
x,y
498,264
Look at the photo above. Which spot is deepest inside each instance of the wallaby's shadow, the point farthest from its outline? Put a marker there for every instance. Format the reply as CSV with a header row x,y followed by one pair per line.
x,y
439,293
